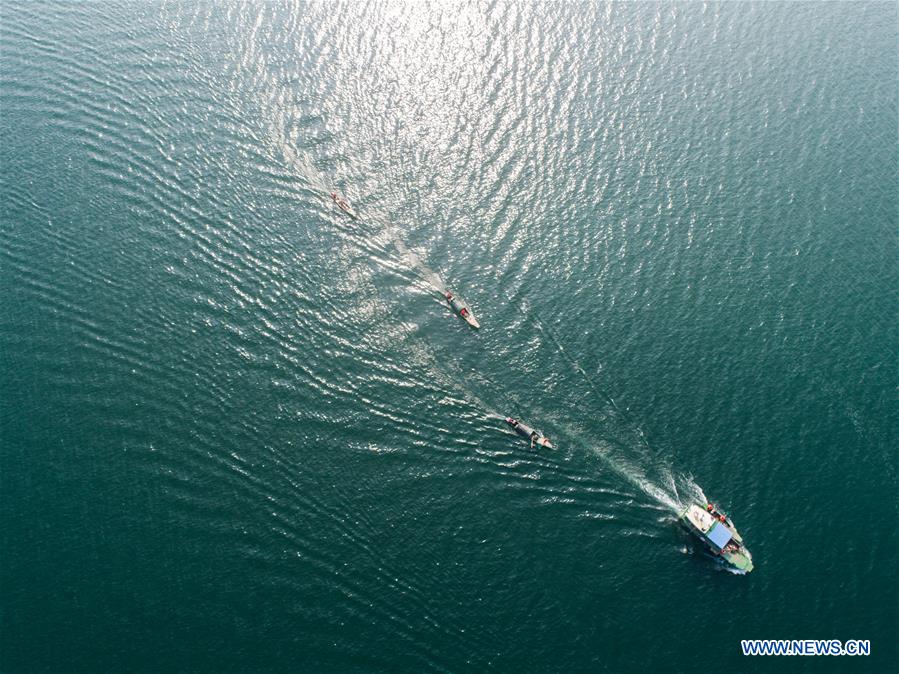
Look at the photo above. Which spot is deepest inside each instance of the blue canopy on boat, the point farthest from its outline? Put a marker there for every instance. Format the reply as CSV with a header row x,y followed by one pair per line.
x,y
719,535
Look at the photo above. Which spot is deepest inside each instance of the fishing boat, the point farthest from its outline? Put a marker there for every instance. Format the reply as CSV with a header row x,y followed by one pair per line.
x,y
344,205
461,307
536,437
718,534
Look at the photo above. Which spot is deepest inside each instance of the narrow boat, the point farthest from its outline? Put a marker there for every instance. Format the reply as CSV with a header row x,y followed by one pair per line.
x,y
719,535
461,307
344,205
536,437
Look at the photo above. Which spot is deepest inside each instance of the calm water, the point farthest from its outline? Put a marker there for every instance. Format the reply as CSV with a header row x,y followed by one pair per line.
x,y
239,431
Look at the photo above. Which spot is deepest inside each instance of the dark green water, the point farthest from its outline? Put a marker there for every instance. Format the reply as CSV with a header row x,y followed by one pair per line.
x,y
241,432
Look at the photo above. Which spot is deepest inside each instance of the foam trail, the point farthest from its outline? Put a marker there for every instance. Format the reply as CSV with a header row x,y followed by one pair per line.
x,y
668,495
638,478
288,140
317,181
305,167
416,262
453,379
522,306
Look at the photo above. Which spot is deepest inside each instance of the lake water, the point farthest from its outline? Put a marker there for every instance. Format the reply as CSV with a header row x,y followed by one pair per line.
x,y
240,431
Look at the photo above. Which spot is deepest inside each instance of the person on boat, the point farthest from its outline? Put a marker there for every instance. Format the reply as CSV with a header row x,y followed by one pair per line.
x,y
463,312
710,508
533,438
449,296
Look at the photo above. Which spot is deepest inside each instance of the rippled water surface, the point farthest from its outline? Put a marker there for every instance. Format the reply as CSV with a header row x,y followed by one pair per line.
x,y
241,431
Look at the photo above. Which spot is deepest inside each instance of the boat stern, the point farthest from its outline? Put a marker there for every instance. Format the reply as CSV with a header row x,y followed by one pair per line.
x,y
741,560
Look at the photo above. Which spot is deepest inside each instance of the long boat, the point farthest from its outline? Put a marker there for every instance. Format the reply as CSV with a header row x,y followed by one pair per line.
x,y
536,437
